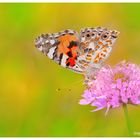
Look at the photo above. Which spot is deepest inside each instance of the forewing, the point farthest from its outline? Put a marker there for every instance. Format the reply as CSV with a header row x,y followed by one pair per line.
x,y
62,47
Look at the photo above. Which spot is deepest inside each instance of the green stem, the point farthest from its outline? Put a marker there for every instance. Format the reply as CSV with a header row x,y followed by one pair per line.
x,y
130,132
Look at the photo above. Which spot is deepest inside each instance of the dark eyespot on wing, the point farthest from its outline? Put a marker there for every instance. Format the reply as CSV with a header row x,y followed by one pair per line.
x,y
73,43
68,64
69,54
88,35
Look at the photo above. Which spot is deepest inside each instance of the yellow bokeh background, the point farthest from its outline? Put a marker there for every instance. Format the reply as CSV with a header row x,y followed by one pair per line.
x,y
30,104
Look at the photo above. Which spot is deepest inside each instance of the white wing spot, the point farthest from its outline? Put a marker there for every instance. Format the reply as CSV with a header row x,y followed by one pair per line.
x,y
47,41
91,45
52,41
70,31
63,61
51,51
82,39
40,48
56,35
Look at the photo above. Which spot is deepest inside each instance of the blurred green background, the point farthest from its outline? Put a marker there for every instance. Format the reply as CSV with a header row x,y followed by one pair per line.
x,y
30,104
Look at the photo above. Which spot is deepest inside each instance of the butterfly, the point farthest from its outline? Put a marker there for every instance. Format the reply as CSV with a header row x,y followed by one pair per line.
x,y
83,52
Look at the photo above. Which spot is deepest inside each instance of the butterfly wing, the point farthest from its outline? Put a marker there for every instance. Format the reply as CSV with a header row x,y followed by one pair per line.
x,y
96,46
83,53
62,47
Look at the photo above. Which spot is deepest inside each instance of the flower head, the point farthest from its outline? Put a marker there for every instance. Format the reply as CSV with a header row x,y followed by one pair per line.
x,y
114,87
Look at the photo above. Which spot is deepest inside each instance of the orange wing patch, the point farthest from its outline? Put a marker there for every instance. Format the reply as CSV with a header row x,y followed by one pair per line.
x,y
64,43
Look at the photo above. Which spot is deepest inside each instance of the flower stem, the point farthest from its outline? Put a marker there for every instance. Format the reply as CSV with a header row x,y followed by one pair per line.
x,y
130,132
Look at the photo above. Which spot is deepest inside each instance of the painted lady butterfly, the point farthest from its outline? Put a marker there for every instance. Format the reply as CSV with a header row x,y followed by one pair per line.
x,y
83,53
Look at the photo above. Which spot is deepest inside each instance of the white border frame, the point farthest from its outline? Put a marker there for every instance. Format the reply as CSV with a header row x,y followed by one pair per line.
x,y
70,1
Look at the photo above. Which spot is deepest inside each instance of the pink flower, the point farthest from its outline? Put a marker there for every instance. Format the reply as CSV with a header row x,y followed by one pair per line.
x,y
114,87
